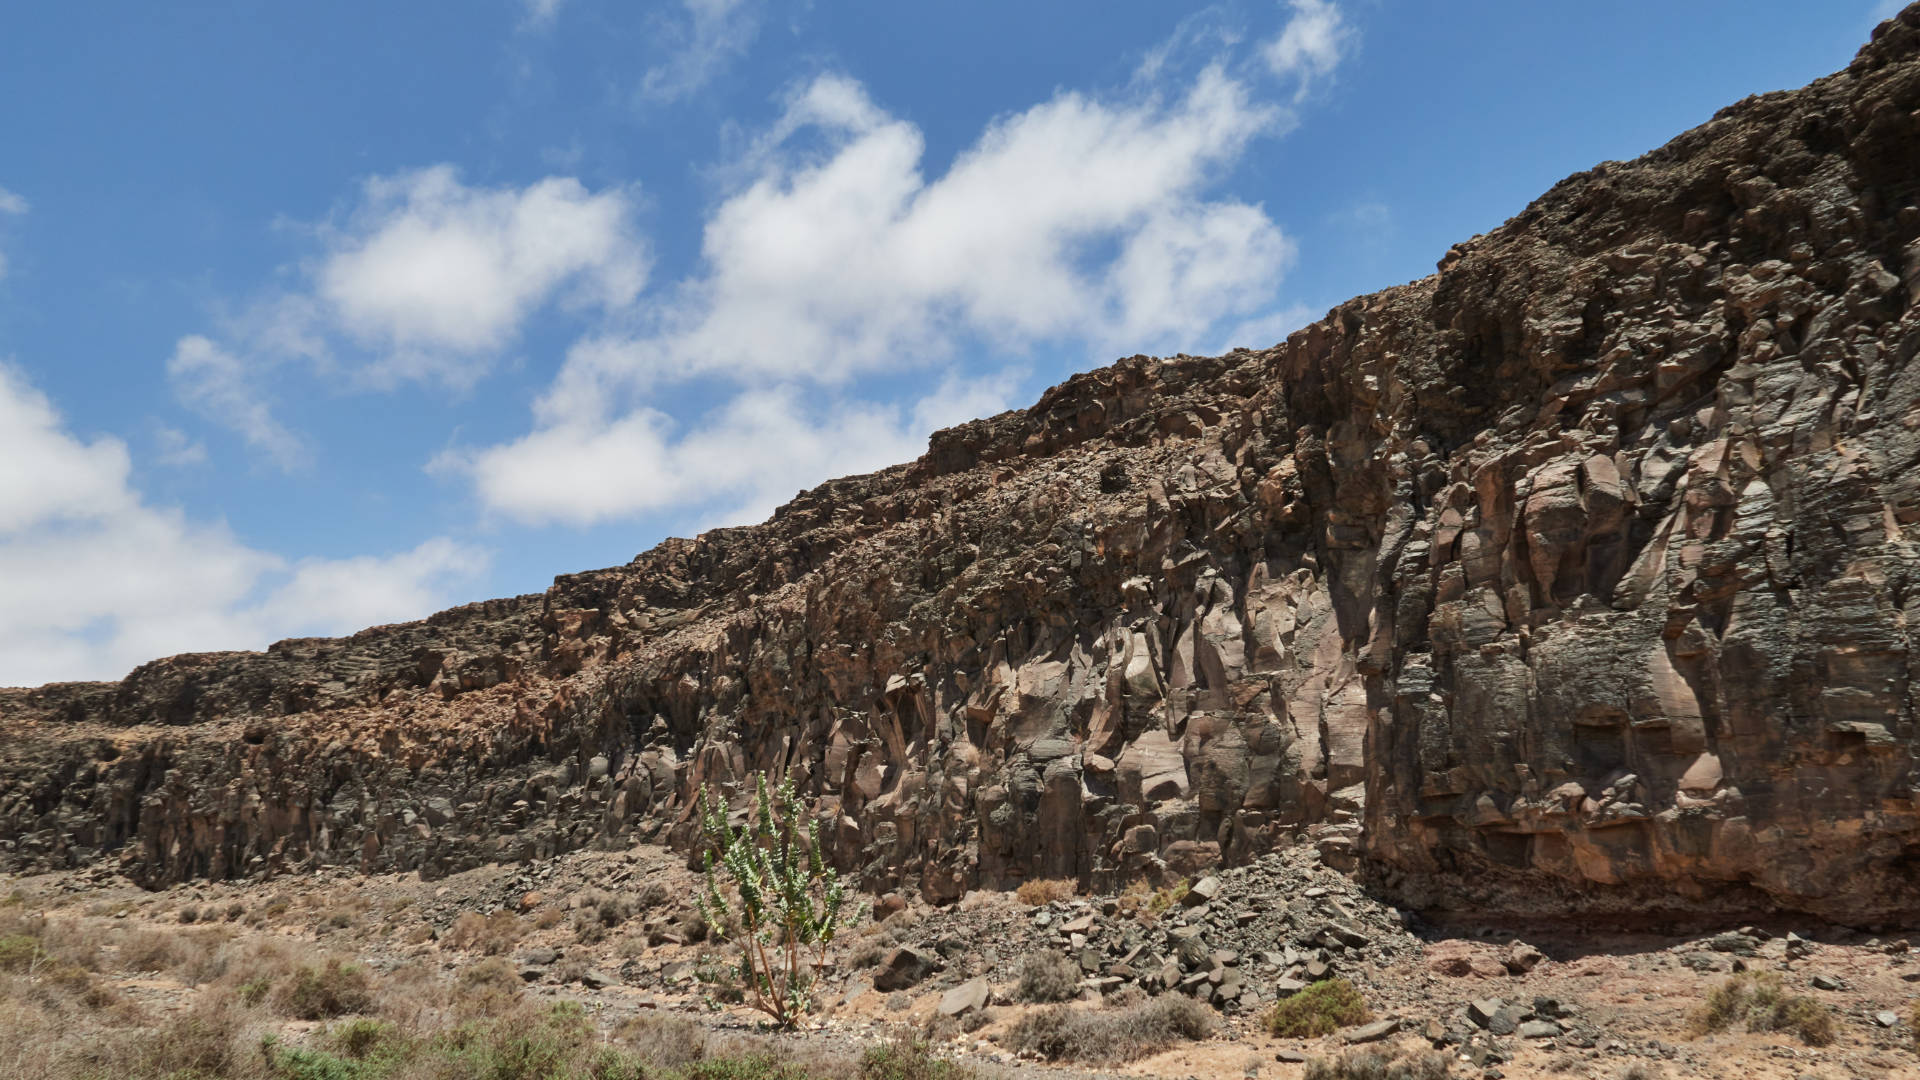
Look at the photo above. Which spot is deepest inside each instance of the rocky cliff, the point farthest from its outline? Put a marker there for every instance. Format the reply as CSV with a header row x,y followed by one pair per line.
x,y
1578,577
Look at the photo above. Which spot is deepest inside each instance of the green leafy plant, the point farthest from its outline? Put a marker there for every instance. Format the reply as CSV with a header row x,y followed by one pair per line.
x,y
788,898
1320,1009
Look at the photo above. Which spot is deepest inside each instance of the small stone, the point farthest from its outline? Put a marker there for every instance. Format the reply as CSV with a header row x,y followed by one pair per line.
x,y
1826,982
1373,1032
1287,987
970,996
1507,1020
1522,958
903,968
1482,1010
1291,1057
1538,1029
1202,891
1886,1019
594,979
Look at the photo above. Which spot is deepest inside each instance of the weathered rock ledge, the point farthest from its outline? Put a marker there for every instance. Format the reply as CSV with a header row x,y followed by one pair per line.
x,y
1576,578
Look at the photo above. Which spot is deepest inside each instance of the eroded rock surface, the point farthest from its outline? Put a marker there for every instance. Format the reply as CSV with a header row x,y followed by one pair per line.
x,y
1579,576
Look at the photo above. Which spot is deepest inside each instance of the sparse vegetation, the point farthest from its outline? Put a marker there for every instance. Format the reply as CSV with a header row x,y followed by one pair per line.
x,y
489,935
1048,977
788,898
1141,900
1373,1064
333,987
907,1059
1110,1035
1320,1009
1042,891
1759,1002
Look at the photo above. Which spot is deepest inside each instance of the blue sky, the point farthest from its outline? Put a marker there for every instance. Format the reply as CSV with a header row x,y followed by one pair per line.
x,y
325,315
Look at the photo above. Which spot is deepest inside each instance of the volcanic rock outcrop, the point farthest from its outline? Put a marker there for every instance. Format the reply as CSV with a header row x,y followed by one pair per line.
x,y
1577,577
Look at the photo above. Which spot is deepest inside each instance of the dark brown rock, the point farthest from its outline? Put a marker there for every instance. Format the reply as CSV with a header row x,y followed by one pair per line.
x,y
1580,576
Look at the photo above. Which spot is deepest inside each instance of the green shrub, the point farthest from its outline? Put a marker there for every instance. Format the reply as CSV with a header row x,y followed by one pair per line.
x,y
789,898
1759,1001
1320,1009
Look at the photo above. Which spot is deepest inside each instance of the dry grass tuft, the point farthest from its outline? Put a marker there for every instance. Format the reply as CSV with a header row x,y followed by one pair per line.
x,y
489,935
333,987
1759,1001
1039,892
1374,1064
1110,1036
1048,977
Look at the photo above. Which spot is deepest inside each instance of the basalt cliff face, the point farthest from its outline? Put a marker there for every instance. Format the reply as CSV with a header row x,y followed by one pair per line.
x,y
1580,577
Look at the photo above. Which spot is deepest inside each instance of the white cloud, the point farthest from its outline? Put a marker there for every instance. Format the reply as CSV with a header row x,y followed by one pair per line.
x,y
1080,222
94,580
1311,45
175,448
427,277
754,452
713,34
225,389
434,272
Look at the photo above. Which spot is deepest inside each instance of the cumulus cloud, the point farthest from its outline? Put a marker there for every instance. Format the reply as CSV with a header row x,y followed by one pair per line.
x,y
1311,45
427,278
738,463
710,36
225,388
432,271
1082,222
94,580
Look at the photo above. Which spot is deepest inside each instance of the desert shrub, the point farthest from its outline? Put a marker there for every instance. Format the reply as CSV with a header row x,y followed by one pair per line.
x,y
664,1041
548,918
18,952
210,1039
236,911
907,1059
1039,892
150,950
1140,899
323,991
1320,1009
189,913
1047,977
489,935
1759,1001
1374,1064
489,988
1110,1036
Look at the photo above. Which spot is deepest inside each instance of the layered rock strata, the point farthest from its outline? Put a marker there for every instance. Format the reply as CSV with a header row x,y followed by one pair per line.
x,y
1577,577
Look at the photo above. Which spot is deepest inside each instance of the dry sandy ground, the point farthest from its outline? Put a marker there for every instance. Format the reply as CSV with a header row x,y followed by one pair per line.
x,y
1638,991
